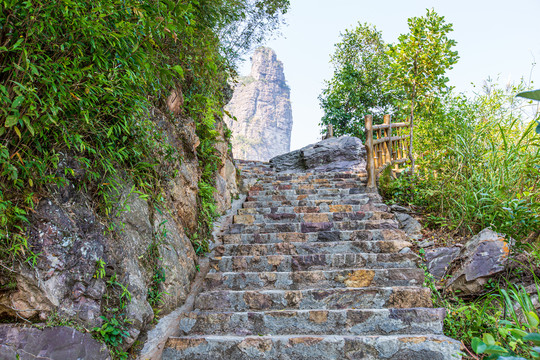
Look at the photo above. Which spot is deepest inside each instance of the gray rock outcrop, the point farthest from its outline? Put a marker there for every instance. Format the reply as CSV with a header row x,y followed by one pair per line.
x,y
344,153
26,343
483,256
70,240
261,104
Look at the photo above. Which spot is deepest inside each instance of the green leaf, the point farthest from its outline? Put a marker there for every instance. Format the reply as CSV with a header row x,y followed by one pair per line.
x,y
538,128
489,339
518,333
179,70
532,95
17,102
26,120
478,345
532,318
11,120
494,349
534,337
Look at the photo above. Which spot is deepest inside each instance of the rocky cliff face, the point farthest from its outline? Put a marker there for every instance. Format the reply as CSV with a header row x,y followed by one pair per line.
x,y
81,268
261,103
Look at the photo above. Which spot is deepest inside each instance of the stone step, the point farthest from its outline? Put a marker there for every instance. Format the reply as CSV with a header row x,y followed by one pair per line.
x,y
312,262
310,176
311,192
269,178
303,248
362,199
355,194
311,217
322,236
322,347
310,299
315,322
299,280
314,209
309,227
279,186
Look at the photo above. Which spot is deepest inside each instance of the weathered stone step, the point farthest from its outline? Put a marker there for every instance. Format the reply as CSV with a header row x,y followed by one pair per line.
x,y
303,248
308,227
312,262
311,217
277,185
303,192
299,280
354,194
325,299
315,322
314,209
362,199
322,236
310,176
268,178
303,347
323,184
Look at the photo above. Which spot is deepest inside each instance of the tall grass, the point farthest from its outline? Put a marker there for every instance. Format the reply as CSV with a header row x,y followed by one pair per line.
x,y
487,172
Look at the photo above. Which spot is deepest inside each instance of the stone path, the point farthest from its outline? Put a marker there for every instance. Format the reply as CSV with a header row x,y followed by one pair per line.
x,y
312,268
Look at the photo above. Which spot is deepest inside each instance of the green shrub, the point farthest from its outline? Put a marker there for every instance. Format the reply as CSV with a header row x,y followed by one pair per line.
x,y
517,333
484,173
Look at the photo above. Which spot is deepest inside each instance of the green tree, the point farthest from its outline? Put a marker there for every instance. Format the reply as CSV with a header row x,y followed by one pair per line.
x,y
360,81
420,60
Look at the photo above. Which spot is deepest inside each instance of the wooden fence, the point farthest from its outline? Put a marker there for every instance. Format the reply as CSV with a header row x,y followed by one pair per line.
x,y
386,145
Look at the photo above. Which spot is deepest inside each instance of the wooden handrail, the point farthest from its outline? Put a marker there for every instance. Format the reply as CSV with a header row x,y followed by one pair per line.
x,y
393,126
384,148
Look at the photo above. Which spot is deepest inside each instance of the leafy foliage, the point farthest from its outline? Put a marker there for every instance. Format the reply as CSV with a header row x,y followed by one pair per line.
x,y
371,77
421,58
115,321
481,173
420,61
360,82
516,337
79,79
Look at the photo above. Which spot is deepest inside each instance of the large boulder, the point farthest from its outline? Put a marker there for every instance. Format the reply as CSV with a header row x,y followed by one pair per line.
x,y
62,342
345,153
484,255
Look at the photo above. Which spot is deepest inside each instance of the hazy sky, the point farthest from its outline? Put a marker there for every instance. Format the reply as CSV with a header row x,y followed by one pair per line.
x,y
495,39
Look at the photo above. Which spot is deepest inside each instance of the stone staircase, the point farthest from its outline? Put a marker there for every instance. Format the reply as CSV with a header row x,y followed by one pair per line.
x,y
312,267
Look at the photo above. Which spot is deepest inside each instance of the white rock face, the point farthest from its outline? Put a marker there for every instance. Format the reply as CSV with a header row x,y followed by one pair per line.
x,y
261,103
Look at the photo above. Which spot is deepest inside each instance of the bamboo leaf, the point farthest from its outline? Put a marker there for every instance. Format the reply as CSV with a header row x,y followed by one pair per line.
x,y
11,120
532,95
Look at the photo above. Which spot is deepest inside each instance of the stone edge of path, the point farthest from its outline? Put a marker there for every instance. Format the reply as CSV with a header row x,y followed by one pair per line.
x,y
169,325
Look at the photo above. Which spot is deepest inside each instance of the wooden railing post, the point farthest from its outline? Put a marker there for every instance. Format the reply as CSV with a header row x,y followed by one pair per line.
x,y
389,146
370,162
329,132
